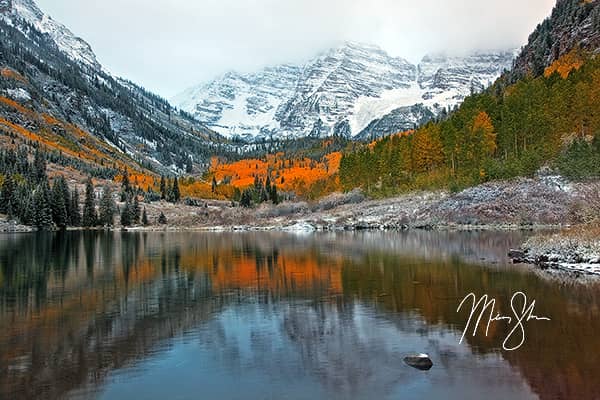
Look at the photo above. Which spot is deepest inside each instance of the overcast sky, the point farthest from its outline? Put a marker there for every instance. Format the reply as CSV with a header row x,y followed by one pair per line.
x,y
169,45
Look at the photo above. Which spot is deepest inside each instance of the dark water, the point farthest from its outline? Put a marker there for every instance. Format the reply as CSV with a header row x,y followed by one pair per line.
x,y
274,316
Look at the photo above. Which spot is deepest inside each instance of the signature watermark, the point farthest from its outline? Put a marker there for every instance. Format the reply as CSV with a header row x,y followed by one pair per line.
x,y
484,310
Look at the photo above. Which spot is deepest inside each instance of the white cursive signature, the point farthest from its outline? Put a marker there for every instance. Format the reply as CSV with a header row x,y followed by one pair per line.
x,y
521,315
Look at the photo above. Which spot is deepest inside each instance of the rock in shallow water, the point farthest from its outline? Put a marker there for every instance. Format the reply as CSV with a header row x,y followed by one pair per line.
x,y
419,361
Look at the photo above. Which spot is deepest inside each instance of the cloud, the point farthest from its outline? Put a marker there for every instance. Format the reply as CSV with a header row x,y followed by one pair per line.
x,y
168,45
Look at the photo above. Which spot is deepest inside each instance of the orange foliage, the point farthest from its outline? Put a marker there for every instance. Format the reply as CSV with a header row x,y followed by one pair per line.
x,y
15,105
199,190
297,175
67,138
142,180
12,74
484,128
573,60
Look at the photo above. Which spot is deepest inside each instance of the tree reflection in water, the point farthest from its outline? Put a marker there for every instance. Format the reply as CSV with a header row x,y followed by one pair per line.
x,y
336,312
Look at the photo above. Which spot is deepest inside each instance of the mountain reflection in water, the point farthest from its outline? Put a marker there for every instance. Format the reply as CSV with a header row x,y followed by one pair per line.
x,y
258,315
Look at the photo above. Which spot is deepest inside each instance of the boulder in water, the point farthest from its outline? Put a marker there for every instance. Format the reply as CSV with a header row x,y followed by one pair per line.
x,y
419,361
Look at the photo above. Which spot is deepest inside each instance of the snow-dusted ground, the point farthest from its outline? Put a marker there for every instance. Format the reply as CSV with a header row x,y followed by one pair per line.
x,y
576,250
521,203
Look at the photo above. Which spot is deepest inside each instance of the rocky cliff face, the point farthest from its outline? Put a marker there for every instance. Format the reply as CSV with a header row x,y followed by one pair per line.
x,y
573,24
355,90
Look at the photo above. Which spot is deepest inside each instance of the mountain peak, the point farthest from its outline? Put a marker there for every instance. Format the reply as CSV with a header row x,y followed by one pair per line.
x,y
14,11
339,92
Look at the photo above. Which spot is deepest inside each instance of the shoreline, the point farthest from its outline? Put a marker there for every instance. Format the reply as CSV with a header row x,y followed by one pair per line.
x,y
543,204
575,250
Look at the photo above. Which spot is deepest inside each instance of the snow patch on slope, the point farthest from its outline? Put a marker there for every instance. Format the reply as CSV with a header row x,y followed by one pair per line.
x,y
366,109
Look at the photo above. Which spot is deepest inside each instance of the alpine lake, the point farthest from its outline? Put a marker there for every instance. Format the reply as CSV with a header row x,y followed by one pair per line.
x,y
155,315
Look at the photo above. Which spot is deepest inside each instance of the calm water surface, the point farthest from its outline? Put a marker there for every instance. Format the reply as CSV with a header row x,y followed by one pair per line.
x,y
276,316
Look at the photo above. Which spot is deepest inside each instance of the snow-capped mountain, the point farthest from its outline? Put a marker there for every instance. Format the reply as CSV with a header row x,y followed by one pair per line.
x,y
26,10
340,92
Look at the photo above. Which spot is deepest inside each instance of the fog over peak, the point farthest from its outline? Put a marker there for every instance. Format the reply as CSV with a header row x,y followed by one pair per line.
x,y
169,45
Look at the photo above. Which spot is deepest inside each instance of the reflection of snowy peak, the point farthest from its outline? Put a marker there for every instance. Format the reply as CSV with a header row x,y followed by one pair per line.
x,y
75,48
354,90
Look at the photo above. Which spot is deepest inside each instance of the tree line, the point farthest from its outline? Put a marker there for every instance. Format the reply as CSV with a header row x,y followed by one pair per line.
x,y
28,196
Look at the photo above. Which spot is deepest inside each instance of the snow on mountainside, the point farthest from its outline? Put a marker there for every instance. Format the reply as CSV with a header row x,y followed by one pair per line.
x,y
61,77
241,104
355,90
26,10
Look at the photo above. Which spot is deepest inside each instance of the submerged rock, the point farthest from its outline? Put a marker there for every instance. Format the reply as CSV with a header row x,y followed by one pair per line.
x,y
419,361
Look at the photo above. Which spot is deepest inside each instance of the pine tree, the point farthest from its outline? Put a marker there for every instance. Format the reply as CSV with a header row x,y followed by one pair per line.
x,y
39,166
125,184
268,188
246,199
175,191
74,211
264,195
107,208
162,219
145,221
163,188
60,215
135,212
90,218
274,195
126,218
6,197
42,212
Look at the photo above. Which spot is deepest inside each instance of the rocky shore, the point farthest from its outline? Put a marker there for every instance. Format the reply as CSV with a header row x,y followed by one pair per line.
x,y
574,250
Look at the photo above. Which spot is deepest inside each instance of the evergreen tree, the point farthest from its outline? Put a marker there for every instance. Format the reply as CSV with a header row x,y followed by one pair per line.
x,y
59,208
268,186
274,195
90,218
163,188
246,199
263,195
74,211
162,219
125,184
42,211
6,197
145,221
59,202
107,208
175,191
126,218
135,212
39,166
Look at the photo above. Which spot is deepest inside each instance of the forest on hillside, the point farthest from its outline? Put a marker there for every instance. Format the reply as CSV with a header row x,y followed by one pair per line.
x,y
508,131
